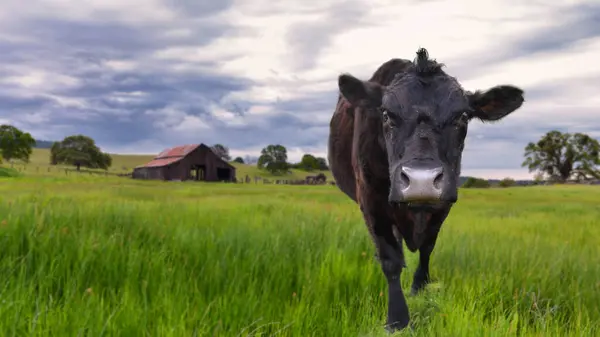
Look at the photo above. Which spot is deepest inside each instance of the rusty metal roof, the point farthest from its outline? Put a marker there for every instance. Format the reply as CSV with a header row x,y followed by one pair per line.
x,y
170,156
178,151
161,162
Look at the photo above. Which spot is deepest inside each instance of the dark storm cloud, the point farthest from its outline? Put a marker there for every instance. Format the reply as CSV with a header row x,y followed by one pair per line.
x,y
584,23
199,8
81,50
115,118
11,102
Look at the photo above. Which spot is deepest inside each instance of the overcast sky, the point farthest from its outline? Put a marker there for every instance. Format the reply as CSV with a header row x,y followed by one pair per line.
x,y
142,75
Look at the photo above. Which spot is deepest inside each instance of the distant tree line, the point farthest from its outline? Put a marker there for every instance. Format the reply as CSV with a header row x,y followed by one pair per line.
x,y
273,158
555,156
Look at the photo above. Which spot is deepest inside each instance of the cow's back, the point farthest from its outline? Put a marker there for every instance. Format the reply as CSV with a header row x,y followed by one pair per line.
x,y
341,131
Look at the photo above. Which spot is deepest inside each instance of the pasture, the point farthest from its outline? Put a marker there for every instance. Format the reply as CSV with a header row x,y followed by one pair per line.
x,y
39,165
86,255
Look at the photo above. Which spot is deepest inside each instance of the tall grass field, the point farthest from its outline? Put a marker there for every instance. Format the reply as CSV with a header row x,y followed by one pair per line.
x,y
101,256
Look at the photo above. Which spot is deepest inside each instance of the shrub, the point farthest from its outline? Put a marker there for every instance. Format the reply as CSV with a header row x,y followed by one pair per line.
x,y
6,172
472,182
507,182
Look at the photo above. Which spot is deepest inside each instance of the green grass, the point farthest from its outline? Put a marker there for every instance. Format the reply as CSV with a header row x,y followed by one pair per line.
x,y
40,159
85,255
6,172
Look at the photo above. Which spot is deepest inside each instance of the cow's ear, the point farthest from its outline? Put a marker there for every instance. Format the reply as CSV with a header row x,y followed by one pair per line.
x,y
359,92
496,103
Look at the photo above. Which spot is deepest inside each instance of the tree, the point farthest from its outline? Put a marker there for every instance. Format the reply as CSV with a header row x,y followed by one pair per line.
x,y
308,163
273,158
507,182
222,151
322,164
563,155
15,144
79,150
239,160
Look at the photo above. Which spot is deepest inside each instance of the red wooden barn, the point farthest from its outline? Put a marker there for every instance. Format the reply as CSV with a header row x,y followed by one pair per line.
x,y
187,162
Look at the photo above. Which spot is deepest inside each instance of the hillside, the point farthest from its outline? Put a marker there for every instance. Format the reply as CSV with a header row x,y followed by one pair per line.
x,y
40,158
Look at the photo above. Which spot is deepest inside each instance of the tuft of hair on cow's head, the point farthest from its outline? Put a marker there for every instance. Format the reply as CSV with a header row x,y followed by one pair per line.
x,y
424,116
425,66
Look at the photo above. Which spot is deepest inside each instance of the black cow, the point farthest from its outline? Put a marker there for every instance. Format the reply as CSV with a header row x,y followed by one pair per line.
x,y
395,148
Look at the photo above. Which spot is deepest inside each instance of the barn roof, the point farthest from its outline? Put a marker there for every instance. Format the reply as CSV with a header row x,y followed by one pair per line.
x,y
178,151
175,154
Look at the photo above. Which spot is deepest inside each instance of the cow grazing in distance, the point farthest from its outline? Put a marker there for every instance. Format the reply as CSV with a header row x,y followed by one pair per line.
x,y
395,148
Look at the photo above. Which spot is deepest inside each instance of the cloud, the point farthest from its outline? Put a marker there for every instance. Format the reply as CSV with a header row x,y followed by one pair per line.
x,y
140,76
307,39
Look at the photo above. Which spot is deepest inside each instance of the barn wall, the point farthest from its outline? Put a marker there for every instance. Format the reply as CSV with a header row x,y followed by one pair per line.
x,y
177,171
213,162
148,173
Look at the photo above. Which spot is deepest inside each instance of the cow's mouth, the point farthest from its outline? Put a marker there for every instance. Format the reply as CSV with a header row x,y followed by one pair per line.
x,y
426,207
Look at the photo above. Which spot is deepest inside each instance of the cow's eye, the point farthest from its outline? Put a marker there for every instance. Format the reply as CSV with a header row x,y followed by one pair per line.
x,y
386,118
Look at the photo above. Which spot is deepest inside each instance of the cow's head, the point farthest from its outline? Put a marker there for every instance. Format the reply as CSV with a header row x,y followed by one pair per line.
x,y
424,115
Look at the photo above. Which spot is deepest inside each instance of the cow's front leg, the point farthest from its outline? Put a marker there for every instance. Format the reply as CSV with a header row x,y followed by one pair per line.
x,y
391,258
392,261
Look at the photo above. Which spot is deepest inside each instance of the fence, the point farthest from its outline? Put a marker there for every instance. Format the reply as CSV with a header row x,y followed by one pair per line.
x,y
57,169
309,180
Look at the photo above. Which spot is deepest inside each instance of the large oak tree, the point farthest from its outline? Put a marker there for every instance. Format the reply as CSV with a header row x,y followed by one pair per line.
x,y
562,156
79,150
273,158
15,144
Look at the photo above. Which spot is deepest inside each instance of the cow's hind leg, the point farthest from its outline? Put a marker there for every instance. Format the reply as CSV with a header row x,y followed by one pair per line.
x,y
421,276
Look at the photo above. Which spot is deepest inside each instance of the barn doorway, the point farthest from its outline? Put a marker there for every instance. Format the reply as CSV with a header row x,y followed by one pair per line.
x,y
223,174
198,172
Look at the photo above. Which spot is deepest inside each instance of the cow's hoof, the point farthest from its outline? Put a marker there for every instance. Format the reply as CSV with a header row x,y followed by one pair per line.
x,y
397,326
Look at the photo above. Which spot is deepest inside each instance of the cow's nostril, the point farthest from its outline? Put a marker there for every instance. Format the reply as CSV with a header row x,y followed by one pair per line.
x,y
404,179
437,182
